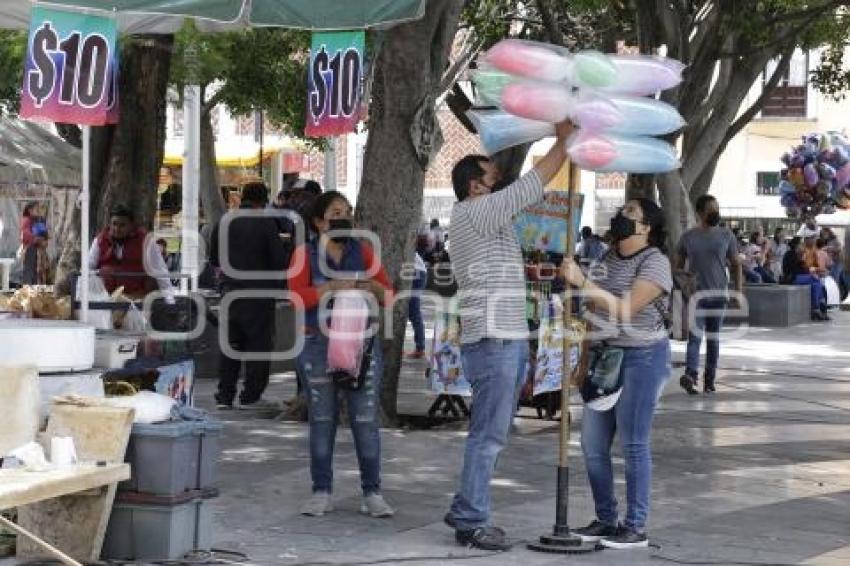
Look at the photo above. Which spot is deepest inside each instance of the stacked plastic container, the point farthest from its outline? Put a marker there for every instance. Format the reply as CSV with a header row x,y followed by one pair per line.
x,y
164,510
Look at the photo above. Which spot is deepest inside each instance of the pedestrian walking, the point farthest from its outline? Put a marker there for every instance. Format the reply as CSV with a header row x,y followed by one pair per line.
x,y
707,251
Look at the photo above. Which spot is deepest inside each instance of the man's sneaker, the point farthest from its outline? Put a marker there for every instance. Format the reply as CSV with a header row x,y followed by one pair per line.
x,y
451,522
625,539
595,531
260,405
484,538
416,354
376,506
688,381
318,505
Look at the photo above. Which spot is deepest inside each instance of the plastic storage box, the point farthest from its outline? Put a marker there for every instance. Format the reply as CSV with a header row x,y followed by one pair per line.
x,y
170,458
146,527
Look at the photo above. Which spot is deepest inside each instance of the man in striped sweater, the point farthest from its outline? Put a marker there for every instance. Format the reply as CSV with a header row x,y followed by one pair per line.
x,y
488,265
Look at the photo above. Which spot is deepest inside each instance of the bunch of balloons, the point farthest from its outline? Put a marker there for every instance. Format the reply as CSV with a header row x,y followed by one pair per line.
x,y
536,85
816,177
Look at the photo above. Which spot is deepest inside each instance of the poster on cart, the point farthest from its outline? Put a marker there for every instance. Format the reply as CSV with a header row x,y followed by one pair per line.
x,y
446,375
71,68
542,227
549,357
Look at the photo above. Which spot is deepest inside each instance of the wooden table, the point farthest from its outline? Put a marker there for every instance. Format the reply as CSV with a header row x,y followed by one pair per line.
x,y
21,487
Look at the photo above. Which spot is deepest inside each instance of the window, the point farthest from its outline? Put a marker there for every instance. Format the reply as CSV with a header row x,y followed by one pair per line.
x,y
788,100
767,183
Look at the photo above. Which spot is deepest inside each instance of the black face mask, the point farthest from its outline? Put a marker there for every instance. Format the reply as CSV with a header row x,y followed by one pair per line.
x,y
342,228
712,218
499,185
622,227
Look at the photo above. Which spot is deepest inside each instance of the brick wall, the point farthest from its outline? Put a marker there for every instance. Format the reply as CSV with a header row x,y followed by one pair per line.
x,y
458,142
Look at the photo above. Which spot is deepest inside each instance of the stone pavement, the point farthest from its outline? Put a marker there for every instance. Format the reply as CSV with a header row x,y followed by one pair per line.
x,y
757,474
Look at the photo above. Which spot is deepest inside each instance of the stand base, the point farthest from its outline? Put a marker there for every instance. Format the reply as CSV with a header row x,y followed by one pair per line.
x,y
554,544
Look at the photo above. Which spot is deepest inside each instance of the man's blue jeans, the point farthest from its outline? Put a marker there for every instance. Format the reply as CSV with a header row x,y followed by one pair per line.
x,y
414,310
644,372
323,406
496,370
709,325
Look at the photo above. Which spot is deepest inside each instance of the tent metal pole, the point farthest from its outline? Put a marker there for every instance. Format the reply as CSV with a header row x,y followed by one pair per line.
x,y
84,201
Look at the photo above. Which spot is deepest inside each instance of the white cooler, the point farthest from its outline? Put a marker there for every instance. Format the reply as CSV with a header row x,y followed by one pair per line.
x,y
51,345
112,349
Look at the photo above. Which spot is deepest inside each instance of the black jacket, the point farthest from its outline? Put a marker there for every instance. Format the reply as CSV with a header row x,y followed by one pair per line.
x,y
792,266
253,244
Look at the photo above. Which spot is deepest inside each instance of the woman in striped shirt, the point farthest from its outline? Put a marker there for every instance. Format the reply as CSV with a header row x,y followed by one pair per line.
x,y
629,289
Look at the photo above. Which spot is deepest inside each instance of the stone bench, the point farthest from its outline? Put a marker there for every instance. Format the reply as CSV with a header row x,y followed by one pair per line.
x,y
778,306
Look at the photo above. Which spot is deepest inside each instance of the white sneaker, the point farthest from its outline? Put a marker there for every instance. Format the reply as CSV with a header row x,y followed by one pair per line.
x,y
318,505
374,505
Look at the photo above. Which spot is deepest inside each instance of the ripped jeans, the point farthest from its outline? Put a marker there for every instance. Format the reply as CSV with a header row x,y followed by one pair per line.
x,y
323,403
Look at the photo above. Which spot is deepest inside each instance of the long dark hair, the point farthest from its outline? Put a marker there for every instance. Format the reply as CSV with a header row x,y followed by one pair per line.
x,y
28,209
323,203
654,218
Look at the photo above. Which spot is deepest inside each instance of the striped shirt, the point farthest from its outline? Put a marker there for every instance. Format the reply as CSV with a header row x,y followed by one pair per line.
x,y
487,261
617,274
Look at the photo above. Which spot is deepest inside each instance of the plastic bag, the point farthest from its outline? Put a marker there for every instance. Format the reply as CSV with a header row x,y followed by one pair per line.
x,y
498,130
628,154
101,319
134,321
149,407
347,340
627,74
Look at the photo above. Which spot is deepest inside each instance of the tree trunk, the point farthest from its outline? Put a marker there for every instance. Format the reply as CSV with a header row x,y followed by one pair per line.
x,y
126,157
212,203
640,186
409,68
678,210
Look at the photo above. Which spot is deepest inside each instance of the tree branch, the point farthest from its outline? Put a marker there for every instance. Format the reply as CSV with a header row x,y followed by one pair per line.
x,y
755,108
550,23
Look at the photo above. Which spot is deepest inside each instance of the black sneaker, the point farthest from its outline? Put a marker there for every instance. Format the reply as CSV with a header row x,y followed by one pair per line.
x,y
484,538
451,522
595,531
625,539
222,404
708,383
688,381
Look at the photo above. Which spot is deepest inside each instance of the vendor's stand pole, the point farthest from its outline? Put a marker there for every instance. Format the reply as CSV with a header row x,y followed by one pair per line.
x,y
85,198
562,541
330,164
191,175
61,556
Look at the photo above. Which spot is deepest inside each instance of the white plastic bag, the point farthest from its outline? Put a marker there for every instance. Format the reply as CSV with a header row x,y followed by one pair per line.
x,y
833,294
150,407
134,321
101,319
347,337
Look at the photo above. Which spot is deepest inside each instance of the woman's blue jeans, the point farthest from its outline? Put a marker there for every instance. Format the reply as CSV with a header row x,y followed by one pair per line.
x,y
816,289
323,406
644,372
